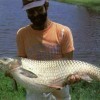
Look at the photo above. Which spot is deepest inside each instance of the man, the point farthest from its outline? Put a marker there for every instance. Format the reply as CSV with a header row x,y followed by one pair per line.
x,y
45,39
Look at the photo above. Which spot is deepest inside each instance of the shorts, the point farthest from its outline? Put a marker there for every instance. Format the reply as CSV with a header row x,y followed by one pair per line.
x,y
56,95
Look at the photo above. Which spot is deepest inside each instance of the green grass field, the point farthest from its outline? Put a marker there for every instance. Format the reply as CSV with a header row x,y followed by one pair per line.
x,y
93,5
6,89
79,91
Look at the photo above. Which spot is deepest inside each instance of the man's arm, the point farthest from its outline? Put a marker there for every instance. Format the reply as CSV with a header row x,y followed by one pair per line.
x,y
69,55
72,78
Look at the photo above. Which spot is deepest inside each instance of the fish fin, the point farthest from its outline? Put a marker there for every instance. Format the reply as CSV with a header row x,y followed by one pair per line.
x,y
55,86
86,78
28,73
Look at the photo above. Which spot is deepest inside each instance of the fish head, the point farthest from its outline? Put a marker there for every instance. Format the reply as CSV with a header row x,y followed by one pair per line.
x,y
5,63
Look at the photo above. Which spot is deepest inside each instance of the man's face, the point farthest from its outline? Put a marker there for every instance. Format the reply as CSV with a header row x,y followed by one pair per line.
x,y
38,16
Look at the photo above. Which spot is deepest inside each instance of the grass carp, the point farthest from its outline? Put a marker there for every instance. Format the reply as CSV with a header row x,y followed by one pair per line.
x,y
48,75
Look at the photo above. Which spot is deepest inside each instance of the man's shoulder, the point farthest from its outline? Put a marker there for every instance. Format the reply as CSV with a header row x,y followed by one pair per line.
x,y
61,26
23,29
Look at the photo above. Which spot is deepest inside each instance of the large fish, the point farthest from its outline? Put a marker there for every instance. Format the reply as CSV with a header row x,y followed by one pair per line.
x,y
46,76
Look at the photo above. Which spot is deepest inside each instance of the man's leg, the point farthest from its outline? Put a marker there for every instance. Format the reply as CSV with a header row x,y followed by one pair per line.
x,y
49,96
62,94
34,96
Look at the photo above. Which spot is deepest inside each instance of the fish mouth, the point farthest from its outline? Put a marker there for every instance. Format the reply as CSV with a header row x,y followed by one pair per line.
x,y
3,60
1,63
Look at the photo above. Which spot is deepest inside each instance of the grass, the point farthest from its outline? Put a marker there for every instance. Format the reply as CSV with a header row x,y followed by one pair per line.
x,y
85,91
92,5
79,91
6,89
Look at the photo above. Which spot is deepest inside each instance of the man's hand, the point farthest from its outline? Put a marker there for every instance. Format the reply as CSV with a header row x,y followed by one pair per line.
x,y
7,74
73,79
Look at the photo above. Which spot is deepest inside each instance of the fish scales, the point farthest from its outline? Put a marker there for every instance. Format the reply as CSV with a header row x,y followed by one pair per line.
x,y
49,74
54,70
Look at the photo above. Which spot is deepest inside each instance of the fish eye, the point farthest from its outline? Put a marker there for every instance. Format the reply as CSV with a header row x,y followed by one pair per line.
x,y
5,59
